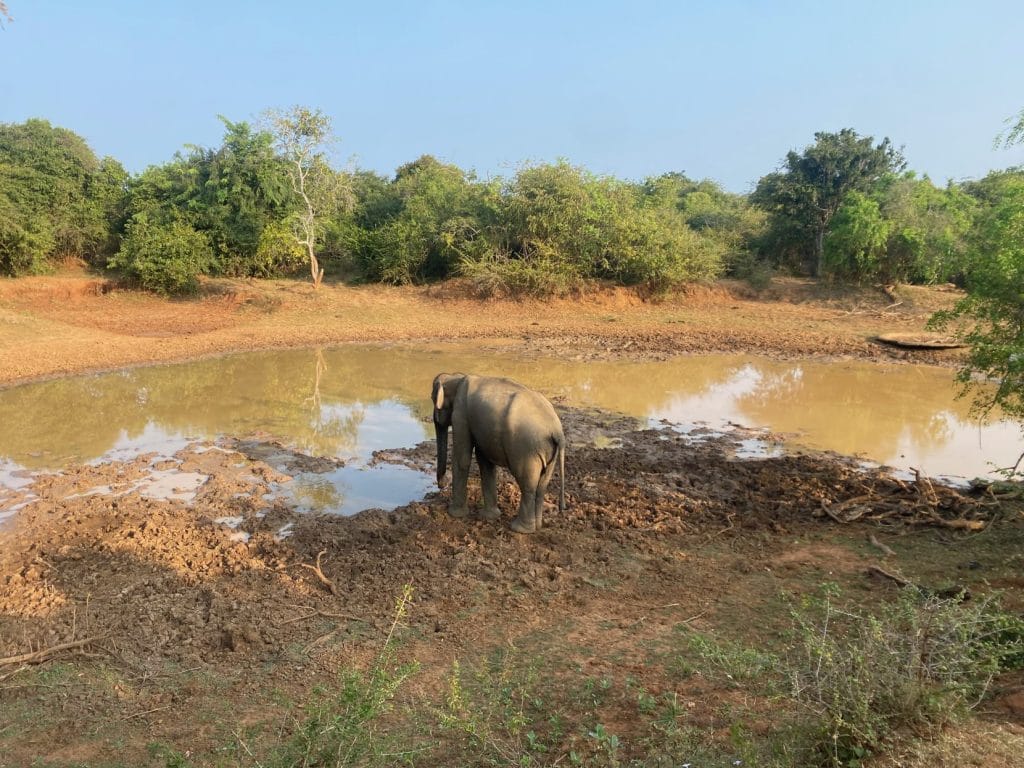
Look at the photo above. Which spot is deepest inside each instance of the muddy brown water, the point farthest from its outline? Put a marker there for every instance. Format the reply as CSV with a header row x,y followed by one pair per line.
x,y
347,402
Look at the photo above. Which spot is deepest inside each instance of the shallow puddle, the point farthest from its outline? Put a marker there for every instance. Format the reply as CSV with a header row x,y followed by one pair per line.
x,y
348,402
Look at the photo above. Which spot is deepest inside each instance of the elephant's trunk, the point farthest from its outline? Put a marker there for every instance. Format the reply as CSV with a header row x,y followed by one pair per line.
x,y
442,453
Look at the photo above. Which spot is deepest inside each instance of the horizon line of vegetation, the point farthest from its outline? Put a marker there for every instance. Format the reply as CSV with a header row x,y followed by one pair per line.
x,y
268,203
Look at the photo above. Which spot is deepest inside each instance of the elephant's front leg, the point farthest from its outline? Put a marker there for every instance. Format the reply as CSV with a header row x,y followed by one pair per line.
x,y
462,450
489,485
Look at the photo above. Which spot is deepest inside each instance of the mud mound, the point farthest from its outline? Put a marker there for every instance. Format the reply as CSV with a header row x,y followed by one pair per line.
x,y
202,566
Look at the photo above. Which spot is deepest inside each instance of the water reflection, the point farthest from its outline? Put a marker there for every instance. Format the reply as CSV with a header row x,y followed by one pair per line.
x,y
350,401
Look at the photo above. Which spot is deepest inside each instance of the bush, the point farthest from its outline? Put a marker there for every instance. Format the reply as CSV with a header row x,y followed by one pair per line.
x,y
419,226
919,662
278,252
991,317
344,726
24,246
558,226
166,258
504,275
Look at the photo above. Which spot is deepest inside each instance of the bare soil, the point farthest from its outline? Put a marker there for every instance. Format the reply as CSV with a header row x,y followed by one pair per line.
x,y
74,323
128,620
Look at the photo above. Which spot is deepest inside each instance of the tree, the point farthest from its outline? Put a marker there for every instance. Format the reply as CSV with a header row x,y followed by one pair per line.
x,y
242,189
993,309
166,257
856,239
1014,134
231,194
928,230
301,137
57,200
803,197
424,223
991,316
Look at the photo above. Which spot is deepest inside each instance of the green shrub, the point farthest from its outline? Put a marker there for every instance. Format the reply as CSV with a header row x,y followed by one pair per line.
x,y
24,246
166,258
919,663
57,199
496,714
503,275
278,252
558,226
343,725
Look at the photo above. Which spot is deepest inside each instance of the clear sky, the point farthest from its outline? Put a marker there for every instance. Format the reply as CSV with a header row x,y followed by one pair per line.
x,y
716,89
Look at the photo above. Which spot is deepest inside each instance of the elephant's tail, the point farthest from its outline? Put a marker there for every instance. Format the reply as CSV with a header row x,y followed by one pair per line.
x,y
561,475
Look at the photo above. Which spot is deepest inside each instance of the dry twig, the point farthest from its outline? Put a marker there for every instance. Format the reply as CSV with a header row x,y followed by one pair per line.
x,y
879,571
887,551
147,712
325,614
318,570
956,592
320,640
37,657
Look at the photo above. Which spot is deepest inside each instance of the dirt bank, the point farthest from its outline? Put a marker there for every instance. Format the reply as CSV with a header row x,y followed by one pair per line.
x,y
175,590
75,323
178,610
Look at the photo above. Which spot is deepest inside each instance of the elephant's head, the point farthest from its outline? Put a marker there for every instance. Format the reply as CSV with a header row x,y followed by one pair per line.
x,y
443,396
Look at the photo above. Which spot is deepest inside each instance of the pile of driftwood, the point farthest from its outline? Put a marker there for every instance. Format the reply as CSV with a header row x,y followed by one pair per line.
x,y
887,499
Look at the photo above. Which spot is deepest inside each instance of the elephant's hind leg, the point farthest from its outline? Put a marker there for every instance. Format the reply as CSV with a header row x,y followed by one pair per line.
x,y
489,486
542,489
528,477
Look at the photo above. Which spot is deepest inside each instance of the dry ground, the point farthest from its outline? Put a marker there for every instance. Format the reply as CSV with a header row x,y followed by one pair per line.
x,y
73,323
152,636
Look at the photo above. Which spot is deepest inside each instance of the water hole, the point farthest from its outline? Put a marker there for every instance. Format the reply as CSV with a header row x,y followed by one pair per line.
x,y
350,401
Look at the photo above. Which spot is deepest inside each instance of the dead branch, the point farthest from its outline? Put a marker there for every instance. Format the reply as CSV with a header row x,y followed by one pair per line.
x,y
1011,472
318,570
325,614
37,657
833,510
729,518
959,524
924,487
887,551
828,511
147,712
13,672
321,640
890,292
879,571
956,592
694,617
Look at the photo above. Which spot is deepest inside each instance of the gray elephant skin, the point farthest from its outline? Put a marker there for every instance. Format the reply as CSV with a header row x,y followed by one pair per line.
x,y
506,425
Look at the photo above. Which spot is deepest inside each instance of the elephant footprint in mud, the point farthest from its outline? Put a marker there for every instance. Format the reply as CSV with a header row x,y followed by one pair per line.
x,y
505,425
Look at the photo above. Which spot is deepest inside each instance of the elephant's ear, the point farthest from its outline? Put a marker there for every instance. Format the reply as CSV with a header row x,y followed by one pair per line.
x,y
440,396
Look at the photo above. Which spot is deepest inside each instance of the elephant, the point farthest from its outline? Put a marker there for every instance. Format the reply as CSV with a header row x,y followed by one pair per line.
x,y
506,425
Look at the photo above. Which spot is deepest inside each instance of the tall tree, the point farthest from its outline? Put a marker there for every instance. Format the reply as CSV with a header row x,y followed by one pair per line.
x,y
1014,134
991,316
57,199
422,224
993,310
804,196
301,137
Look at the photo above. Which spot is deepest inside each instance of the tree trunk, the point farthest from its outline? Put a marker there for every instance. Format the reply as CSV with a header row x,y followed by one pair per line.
x,y
314,269
819,250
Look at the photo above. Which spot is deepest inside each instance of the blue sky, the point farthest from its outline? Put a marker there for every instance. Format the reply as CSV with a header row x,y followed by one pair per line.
x,y
716,89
